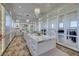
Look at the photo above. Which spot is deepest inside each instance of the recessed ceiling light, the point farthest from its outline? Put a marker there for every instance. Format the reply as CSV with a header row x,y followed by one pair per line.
x,y
20,7
37,11
27,20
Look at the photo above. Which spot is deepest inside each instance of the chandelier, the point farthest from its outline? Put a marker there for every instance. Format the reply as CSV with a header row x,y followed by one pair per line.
x,y
37,11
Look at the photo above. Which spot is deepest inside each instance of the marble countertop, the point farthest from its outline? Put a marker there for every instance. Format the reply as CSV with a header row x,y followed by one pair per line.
x,y
41,38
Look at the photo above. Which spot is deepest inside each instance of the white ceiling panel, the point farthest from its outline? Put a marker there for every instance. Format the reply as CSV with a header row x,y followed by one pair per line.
x,y
24,11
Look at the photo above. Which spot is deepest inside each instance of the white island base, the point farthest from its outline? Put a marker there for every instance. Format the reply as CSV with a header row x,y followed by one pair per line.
x,y
39,44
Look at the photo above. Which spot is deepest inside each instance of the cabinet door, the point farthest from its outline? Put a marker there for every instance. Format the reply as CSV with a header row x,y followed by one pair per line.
x,y
52,26
61,22
72,19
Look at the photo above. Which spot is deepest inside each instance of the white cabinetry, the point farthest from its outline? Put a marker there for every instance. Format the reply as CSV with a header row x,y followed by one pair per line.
x,y
39,45
70,28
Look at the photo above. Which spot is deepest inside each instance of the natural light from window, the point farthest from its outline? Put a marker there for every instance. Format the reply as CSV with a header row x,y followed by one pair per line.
x,y
61,25
73,24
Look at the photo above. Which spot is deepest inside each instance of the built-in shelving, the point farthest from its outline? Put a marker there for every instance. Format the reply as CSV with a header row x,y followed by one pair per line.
x,y
61,28
0,29
6,29
68,22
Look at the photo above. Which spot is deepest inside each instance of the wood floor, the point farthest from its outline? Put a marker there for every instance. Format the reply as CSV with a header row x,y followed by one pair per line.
x,y
70,52
55,52
18,48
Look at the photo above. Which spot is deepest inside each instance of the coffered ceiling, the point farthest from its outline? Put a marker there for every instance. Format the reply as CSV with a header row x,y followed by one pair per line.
x,y
24,11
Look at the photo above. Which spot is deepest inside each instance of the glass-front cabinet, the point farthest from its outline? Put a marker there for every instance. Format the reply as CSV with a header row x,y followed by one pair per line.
x,y
52,26
68,31
72,29
9,28
2,28
61,28
6,28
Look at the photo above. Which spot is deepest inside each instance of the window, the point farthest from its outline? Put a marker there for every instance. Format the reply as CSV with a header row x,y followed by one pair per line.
x,y
73,24
52,25
61,25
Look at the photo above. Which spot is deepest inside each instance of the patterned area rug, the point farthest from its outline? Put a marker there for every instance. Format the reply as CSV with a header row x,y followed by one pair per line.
x,y
17,48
